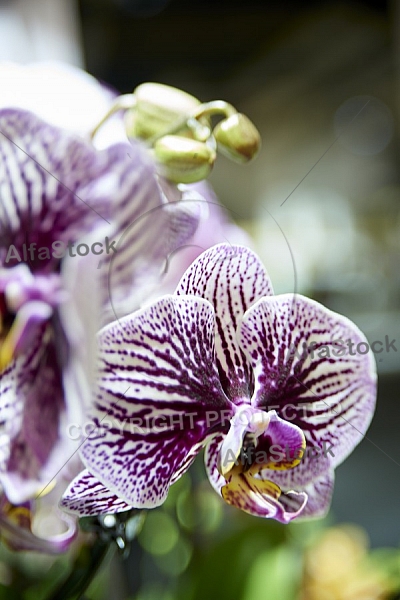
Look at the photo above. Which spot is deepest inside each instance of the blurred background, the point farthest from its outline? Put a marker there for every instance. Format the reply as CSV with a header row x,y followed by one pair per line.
x,y
322,204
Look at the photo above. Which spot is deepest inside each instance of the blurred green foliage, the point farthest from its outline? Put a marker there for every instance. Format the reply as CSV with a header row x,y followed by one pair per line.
x,y
193,547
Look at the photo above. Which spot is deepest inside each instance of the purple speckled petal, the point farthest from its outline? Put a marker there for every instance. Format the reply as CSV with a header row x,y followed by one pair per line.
x,y
86,496
211,461
232,278
330,396
157,385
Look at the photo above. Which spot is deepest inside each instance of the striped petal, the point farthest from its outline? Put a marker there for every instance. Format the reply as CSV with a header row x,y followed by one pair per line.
x,y
232,278
327,392
211,461
55,188
47,184
158,383
86,496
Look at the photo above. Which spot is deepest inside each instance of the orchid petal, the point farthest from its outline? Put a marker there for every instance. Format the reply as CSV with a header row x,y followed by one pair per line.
x,y
19,536
232,278
331,398
43,173
157,380
32,400
56,187
77,323
319,496
61,94
319,490
147,228
211,462
86,496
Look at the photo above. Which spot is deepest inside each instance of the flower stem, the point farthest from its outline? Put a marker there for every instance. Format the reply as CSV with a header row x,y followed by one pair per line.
x,y
85,569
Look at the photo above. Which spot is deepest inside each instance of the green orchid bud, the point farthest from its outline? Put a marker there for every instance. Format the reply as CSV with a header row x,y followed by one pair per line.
x,y
157,108
237,138
184,160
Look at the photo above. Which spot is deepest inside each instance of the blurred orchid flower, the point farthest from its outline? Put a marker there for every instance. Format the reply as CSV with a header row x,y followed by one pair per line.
x,y
47,529
213,366
62,204
338,565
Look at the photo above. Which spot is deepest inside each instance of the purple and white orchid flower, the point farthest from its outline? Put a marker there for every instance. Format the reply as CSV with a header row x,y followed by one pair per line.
x,y
216,365
58,192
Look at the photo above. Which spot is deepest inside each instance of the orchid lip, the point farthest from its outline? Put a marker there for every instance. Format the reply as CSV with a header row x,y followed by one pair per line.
x,y
247,425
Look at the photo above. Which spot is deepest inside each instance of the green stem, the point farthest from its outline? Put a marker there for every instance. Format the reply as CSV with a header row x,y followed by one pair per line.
x,y
123,102
82,574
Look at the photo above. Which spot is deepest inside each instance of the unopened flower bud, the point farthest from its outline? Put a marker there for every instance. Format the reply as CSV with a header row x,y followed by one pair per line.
x,y
184,160
157,108
237,138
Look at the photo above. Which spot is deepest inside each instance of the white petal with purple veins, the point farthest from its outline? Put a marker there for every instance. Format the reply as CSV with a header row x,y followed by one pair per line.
x,y
232,278
158,380
330,397
86,496
42,173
